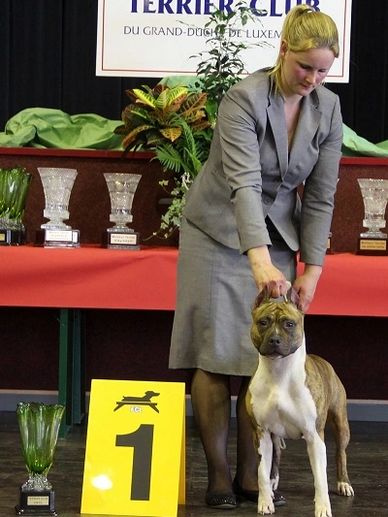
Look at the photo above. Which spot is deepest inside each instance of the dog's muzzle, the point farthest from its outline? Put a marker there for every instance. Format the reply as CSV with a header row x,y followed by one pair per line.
x,y
276,346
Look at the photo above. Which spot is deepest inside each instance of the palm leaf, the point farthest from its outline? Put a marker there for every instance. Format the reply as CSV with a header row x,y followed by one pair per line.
x,y
169,157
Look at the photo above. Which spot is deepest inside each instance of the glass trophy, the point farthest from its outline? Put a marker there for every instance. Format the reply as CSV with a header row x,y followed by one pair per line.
x,y
375,196
39,426
122,188
14,185
57,186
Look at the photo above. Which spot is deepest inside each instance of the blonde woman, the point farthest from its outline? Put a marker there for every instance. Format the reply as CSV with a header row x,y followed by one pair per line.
x,y
244,224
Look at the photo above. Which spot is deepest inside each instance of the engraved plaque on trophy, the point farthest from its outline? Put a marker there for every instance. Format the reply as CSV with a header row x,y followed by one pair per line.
x,y
57,185
39,426
122,188
375,195
329,249
14,185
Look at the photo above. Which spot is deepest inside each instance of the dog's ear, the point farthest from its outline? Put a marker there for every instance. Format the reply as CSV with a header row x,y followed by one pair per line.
x,y
262,297
293,297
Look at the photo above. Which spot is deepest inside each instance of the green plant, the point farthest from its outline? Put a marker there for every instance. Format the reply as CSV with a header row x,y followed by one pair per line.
x,y
173,123
161,114
221,64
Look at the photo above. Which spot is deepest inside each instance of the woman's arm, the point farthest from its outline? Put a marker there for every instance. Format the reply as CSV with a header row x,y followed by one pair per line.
x,y
266,275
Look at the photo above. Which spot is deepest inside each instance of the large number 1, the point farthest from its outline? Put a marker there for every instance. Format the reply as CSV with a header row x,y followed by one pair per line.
x,y
141,441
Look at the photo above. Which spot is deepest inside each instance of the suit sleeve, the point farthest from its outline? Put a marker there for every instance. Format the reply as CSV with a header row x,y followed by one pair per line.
x,y
239,140
318,195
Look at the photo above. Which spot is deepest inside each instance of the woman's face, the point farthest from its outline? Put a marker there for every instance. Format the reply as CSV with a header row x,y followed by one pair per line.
x,y
303,71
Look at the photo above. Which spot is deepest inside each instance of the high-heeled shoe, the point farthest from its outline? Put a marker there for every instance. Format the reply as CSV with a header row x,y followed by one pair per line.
x,y
223,501
252,495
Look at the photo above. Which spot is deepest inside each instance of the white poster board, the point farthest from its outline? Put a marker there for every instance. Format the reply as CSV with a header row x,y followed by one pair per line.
x,y
155,38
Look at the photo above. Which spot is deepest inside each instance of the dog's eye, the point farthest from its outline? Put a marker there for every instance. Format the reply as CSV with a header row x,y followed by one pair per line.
x,y
289,324
262,323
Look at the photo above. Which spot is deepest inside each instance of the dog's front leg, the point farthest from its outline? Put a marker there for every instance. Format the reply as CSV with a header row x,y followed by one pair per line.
x,y
316,449
265,503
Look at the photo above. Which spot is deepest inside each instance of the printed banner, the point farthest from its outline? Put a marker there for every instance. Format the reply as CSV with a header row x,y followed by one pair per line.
x,y
158,38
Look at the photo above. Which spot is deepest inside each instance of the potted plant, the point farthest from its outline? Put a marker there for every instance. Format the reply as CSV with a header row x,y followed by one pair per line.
x,y
173,123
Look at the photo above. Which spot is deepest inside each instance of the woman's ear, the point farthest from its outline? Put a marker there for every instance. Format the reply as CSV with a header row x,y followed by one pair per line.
x,y
283,48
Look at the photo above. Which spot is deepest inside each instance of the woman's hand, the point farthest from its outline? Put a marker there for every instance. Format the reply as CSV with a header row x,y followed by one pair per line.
x,y
306,284
266,275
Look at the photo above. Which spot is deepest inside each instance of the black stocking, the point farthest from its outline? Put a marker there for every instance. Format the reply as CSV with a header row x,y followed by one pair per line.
x,y
247,456
210,396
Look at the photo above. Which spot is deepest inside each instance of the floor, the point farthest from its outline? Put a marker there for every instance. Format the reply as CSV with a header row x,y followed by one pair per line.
x,y
367,463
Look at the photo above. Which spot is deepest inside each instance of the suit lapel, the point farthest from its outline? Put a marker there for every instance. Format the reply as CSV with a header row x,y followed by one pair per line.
x,y
308,123
277,122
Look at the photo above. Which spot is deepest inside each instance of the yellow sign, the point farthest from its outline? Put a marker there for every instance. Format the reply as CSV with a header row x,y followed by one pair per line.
x,y
135,449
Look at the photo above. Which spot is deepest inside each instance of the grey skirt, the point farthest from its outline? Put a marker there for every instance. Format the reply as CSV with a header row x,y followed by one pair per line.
x,y
216,293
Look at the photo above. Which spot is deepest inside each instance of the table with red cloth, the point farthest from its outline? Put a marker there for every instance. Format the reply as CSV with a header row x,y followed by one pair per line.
x,y
92,277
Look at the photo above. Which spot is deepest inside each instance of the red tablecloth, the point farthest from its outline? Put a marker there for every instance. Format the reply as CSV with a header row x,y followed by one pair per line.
x,y
91,277
88,277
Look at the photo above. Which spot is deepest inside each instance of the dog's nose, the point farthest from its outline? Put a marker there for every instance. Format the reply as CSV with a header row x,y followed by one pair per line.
x,y
272,346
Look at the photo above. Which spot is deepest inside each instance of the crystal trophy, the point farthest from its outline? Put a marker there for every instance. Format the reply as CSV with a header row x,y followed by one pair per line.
x,y
14,185
57,186
122,188
375,196
39,426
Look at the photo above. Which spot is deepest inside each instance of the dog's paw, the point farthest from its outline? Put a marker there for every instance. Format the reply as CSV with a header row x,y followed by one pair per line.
x,y
265,506
322,509
345,489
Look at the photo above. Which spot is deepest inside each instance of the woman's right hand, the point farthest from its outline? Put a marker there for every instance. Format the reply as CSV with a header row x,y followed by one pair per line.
x,y
265,274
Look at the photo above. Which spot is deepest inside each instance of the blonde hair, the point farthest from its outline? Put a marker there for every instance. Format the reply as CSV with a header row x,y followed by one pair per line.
x,y
305,29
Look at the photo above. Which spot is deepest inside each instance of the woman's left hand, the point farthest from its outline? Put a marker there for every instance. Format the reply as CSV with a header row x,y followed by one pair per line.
x,y
306,284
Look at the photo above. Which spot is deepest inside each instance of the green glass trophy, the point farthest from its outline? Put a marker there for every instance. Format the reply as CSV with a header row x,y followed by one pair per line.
x,y
14,185
39,426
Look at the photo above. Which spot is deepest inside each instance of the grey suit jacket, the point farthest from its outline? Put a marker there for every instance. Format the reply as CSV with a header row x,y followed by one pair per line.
x,y
250,173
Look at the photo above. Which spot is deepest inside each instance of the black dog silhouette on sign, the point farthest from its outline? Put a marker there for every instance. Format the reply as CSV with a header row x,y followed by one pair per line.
x,y
145,400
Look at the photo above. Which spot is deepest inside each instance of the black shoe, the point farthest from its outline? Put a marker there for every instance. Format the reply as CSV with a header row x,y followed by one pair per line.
x,y
252,495
223,501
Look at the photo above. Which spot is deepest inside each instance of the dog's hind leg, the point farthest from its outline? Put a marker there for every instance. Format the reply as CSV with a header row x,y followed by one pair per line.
x,y
341,430
278,445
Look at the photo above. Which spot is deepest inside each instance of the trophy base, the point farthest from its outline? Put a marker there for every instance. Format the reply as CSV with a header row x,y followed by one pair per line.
x,y
329,249
121,240
372,246
33,502
51,238
12,237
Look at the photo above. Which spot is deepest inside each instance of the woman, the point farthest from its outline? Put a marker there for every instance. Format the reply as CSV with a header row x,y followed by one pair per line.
x,y
244,223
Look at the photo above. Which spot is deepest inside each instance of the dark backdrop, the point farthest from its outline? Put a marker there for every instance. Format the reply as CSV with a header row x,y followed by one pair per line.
x,y
47,59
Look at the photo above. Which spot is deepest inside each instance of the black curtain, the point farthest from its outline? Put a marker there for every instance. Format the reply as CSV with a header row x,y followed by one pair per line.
x,y
48,50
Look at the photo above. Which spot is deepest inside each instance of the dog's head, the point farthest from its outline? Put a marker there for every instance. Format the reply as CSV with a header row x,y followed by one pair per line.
x,y
277,328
